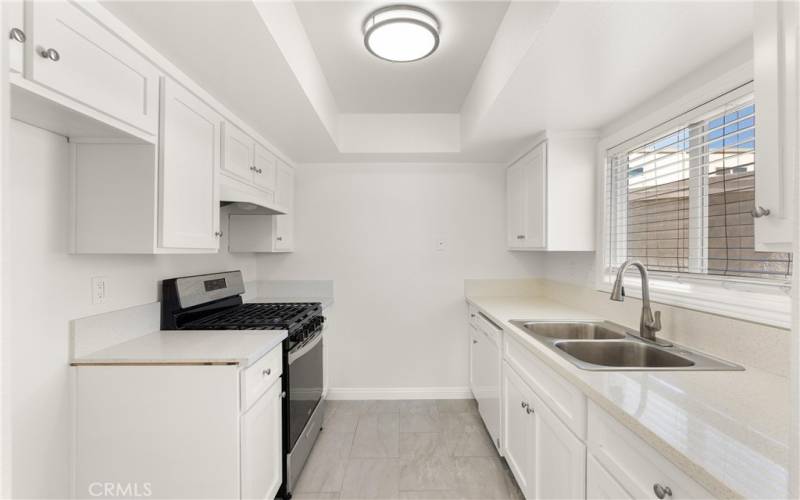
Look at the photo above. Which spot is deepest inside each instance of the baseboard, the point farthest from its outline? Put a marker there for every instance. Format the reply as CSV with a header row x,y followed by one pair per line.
x,y
342,393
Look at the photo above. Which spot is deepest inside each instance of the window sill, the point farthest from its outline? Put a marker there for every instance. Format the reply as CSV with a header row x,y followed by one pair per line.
x,y
764,304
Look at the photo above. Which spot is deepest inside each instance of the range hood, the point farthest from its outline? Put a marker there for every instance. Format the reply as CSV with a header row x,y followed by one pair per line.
x,y
245,197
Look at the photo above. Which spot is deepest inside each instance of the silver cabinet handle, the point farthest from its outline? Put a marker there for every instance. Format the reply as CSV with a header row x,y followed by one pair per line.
x,y
279,238
662,491
283,394
529,410
218,234
51,54
252,168
474,341
17,35
259,170
266,372
520,236
523,404
759,212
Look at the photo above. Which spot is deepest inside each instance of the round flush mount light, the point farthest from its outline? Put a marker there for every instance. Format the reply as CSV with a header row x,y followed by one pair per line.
x,y
401,33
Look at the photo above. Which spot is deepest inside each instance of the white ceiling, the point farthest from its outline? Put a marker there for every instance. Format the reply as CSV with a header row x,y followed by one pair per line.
x,y
362,83
567,65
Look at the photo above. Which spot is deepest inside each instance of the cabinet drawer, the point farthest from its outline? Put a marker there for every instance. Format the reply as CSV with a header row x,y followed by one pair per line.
x,y
635,465
564,399
91,65
260,376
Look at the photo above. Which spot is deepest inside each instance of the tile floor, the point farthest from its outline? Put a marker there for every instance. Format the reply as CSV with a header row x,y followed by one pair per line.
x,y
416,449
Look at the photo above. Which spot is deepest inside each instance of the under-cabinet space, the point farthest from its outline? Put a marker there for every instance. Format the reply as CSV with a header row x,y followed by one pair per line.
x,y
550,202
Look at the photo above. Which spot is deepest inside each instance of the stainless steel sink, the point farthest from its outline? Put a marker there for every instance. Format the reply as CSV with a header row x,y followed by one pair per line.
x,y
606,346
625,354
585,330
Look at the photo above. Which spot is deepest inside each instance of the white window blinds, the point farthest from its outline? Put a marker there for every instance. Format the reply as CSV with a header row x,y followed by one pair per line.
x,y
680,200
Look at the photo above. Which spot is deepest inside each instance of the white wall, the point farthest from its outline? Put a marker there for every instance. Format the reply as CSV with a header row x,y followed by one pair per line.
x,y
399,302
45,288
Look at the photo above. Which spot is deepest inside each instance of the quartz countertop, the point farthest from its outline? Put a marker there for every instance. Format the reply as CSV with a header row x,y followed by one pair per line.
x,y
727,430
189,347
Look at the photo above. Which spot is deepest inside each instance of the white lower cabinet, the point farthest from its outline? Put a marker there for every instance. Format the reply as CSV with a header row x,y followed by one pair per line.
x,y
177,431
638,469
547,460
262,447
600,485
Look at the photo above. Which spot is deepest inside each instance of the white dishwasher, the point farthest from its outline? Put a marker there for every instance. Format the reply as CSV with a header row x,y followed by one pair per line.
x,y
485,366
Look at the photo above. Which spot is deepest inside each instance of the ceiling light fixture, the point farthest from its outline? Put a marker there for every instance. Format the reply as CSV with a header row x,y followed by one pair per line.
x,y
401,33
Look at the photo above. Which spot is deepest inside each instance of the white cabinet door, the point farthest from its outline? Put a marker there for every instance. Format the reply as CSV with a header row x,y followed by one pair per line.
x,y
776,89
600,485
86,62
189,158
238,153
560,457
284,197
266,168
536,197
515,205
519,431
13,12
261,446
526,195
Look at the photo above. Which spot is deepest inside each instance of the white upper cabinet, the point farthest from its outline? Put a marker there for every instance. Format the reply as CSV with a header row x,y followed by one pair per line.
x,y
266,169
14,15
284,224
190,152
73,55
550,195
776,90
248,161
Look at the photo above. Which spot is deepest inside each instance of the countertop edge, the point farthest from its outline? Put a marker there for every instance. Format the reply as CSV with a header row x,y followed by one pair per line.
x,y
685,464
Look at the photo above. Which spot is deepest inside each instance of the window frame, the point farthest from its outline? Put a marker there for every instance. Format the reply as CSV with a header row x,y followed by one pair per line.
x,y
751,299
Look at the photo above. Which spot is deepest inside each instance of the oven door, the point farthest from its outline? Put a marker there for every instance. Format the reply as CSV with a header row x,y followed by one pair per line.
x,y
305,384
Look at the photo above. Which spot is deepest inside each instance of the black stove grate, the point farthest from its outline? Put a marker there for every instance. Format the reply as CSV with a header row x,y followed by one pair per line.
x,y
285,316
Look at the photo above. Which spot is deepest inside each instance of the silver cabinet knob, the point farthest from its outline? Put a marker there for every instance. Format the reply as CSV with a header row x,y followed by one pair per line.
x,y
218,234
266,372
662,491
252,168
51,54
279,238
259,170
523,404
760,211
474,341
17,35
520,236
529,410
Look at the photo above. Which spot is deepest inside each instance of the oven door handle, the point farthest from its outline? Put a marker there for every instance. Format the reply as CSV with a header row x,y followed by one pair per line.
x,y
304,348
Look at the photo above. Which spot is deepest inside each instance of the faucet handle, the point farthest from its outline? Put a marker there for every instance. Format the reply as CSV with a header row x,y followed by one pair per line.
x,y
657,321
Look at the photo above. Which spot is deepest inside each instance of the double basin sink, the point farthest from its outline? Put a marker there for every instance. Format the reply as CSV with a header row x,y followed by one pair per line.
x,y
606,346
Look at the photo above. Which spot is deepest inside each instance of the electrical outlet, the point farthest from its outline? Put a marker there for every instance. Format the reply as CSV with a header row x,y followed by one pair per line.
x,y
99,290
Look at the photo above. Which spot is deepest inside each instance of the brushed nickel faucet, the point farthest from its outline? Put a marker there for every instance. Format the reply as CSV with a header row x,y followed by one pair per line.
x,y
648,323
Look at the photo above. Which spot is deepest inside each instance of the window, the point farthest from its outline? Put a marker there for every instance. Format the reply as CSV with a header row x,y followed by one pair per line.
x,y
679,198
